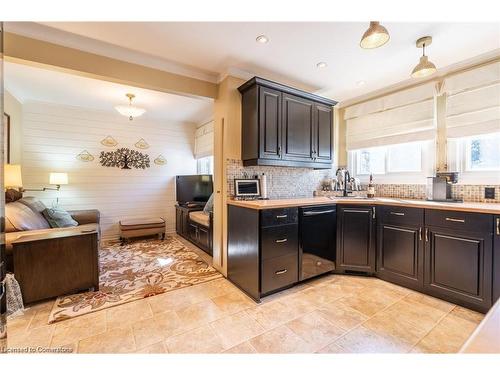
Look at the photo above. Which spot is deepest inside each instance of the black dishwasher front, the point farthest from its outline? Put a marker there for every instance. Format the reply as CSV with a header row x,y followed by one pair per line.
x,y
317,249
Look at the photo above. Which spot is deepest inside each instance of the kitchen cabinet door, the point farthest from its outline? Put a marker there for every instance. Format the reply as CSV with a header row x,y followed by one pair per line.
x,y
400,255
323,130
356,238
297,128
458,266
496,259
269,123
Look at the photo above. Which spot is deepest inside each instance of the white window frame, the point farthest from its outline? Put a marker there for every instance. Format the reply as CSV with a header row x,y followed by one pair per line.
x,y
458,156
428,152
199,166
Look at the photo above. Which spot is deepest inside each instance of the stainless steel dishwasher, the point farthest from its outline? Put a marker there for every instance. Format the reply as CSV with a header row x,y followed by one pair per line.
x,y
317,243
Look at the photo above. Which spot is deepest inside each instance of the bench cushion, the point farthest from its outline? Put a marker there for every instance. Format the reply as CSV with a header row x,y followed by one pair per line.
x,y
200,217
142,227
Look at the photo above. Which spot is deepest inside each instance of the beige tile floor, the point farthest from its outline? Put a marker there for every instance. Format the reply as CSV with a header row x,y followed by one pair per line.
x,y
332,314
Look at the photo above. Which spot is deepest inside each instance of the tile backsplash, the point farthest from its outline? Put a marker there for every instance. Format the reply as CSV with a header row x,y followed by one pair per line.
x,y
285,182
282,182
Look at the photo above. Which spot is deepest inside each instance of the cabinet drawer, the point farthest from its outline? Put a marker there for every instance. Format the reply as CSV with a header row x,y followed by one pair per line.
x,y
279,272
401,215
467,221
279,241
279,216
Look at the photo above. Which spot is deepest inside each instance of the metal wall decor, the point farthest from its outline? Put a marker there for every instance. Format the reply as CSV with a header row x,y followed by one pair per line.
x,y
124,158
85,156
160,160
142,144
109,141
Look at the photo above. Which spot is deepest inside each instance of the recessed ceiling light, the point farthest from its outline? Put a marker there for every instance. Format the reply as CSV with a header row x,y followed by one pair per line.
x,y
360,83
262,39
321,65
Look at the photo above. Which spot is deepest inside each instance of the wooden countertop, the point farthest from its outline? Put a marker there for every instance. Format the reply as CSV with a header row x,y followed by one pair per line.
x,y
488,208
486,337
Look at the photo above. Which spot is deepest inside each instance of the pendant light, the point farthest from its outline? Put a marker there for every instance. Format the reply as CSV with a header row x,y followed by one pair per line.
x,y
376,36
129,110
424,68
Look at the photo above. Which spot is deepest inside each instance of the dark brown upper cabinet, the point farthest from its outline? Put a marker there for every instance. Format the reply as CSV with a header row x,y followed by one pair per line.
x,y
283,126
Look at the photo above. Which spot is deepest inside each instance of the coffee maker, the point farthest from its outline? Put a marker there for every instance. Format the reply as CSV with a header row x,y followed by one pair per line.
x,y
439,187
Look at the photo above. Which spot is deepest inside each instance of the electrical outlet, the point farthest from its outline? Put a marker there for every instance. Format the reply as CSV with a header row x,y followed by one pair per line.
x,y
489,193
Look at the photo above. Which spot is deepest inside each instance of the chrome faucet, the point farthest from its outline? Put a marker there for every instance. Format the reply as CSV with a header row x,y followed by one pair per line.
x,y
343,176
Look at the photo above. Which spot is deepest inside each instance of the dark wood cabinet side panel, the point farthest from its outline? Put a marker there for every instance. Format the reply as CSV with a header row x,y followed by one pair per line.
x,y
496,259
250,124
323,130
243,249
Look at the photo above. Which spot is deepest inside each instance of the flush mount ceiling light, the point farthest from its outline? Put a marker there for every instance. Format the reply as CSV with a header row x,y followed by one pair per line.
x,y
424,68
360,83
321,65
376,36
129,110
262,39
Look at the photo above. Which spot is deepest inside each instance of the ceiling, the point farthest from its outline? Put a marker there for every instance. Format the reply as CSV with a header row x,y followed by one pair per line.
x,y
294,49
32,83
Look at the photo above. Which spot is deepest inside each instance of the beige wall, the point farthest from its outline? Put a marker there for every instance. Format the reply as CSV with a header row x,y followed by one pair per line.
x,y
54,135
227,145
14,109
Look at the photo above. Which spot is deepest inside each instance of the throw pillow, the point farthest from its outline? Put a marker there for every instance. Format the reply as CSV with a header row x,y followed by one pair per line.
x,y
59,218
209,206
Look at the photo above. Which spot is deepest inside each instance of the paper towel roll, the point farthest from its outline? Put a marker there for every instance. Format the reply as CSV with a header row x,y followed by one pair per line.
x,y
263,186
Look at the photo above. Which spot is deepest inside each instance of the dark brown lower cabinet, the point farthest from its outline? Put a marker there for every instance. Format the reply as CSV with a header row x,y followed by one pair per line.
x,y
262,249
400,246
356,238
400,255
496,259
458,266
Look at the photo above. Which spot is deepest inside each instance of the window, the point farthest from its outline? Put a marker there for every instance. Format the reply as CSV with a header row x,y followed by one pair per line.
x,y
482,153
477,158
205,165
371,160
404,162
405,157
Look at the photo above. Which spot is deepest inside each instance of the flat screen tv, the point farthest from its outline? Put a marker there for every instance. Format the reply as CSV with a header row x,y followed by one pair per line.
x,y
193,188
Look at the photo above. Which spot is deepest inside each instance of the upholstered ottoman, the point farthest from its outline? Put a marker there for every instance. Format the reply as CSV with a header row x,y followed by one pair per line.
x,y
142,227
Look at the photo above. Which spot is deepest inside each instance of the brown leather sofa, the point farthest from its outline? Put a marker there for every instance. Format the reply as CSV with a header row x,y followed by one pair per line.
x,y
51,255
24,218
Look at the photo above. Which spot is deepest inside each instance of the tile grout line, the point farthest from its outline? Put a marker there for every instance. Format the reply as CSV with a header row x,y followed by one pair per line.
x,y
360,324
434,326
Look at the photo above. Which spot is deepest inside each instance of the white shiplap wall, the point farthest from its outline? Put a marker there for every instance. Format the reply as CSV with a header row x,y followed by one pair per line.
x,y
53,135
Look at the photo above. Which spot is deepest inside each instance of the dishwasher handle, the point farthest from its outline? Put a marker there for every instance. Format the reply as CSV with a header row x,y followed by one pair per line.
x,y
314,213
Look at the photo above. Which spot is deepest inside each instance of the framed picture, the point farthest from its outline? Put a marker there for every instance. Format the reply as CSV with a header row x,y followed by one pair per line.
x,y
6,138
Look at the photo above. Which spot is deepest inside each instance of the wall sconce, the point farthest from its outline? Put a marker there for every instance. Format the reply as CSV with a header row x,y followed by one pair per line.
x,y
13,179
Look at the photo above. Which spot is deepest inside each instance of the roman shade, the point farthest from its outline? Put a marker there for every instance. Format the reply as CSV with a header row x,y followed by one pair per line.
x,y
405,116
204,140
473,102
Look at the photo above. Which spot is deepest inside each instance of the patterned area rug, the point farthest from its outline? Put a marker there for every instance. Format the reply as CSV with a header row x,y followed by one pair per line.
x,y
137,270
